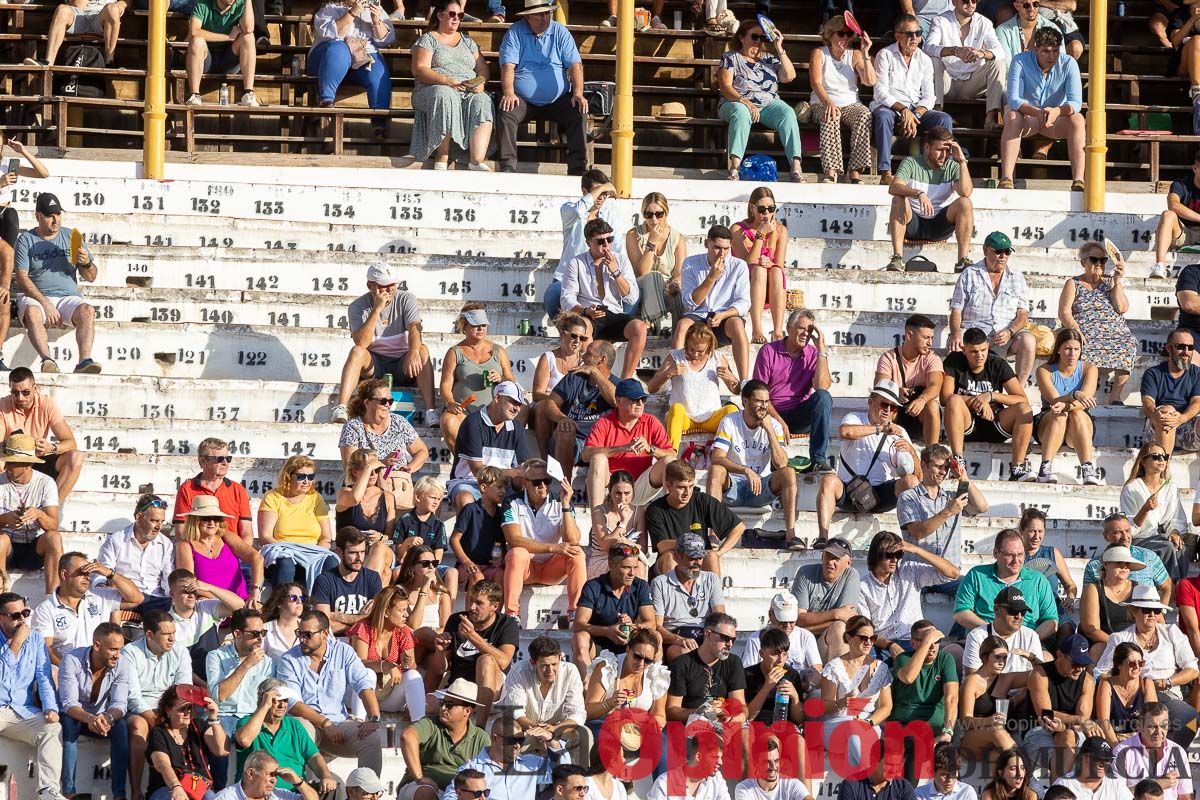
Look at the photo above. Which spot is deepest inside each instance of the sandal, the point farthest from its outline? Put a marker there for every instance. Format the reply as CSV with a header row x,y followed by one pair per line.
x,y
716,31
758,339
797,545
777,335
798,177
1005,183
826,179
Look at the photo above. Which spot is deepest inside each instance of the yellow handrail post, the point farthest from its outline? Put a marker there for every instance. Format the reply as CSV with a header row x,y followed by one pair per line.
x,y
154,118
622,127
1097,124
562,12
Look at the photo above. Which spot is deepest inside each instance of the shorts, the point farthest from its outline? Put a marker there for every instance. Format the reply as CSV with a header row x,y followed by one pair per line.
x,y
912,425
1037,423
885,494
1038,744
986,430
457,485
1064,21
85,24
580,441
1185,436
24,556
738,494
10,226
723,339
50,467
929,229
66,306
389,365
1189,236
611,327
222,59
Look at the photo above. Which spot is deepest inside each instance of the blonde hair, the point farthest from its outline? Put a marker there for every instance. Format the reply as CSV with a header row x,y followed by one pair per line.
x,y
290,468
832,25
460,324
384,601
698,335
658,199
427,484
191,528
355,463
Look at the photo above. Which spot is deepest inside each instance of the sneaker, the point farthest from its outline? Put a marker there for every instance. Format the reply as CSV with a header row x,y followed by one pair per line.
x,y
482,166
340,413
50,793
441,166
193,100
1159,270
611,22
35,62
961,463
657,24
825,466
248,99
1046,472
49,366
895,263
962,264
1091,477
431,418
262,41
87,367
1022,473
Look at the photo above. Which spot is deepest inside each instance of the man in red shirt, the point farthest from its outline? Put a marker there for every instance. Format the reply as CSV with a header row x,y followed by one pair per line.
x,y
627,439
214,460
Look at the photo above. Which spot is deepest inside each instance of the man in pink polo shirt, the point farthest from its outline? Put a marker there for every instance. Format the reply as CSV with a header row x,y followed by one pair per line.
x,y
627,439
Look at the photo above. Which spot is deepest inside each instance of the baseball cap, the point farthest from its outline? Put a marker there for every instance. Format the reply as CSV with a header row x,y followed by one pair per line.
x,y
838,547
1076,647
510,390
1096,747
476,316
1013,598
998,241
889,391
382,274
692,545
631,389
784,607
365,778
48,204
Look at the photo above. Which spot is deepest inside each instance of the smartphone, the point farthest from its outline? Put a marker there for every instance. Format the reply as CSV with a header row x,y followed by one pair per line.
x,y
14,164
1048,713
962,488
387,473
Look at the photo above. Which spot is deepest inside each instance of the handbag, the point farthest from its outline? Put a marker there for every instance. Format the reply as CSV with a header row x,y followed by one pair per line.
x,y
1044,337
859,490
195,785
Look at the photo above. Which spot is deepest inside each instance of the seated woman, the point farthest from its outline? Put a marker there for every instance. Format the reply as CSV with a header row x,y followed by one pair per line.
x,y
656,251
1094,303
634,679
281,618
1102,610
178,752
453,113
1122,692
293,526
1010,779
1151,501
470,369
835,73
373,426
761,240
429,601
385,644
574,333
1048,560
748,81
981,720
347,35
212,553
695,373
617,522
856,685
1068,389
363,503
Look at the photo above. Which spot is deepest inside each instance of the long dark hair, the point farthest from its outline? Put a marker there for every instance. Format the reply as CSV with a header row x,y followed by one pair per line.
x,y
278,597
996,787
437,7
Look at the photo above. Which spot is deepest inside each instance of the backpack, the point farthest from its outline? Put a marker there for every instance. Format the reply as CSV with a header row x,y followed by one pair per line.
x,y
759,169
83,56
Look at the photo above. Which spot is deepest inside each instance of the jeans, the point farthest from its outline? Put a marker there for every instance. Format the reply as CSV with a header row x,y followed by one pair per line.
x,y
552,300
118,752
812,415
330,62
776,115
285,570
883,128
495,7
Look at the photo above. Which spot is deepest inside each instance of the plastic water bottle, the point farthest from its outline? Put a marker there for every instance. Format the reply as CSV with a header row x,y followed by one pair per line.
x,y
1120,8
782,701
223,94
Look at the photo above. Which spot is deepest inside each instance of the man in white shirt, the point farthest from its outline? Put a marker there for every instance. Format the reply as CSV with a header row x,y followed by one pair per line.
x,y
967,59
749,464
197,607
945,784
803,653
258,781
139,551
545,700
1089,780
769,785
1024,647
1150,754
68,617
593,204
904,96
874,447
890,592
716,292
598,284
28,513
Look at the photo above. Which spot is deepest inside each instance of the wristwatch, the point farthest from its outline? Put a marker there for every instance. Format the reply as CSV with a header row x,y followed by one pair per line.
x,y
373,718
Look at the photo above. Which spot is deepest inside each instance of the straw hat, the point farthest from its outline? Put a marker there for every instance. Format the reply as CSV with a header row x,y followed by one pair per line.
x,y
672,111
537,7
20,449
206,506
460,691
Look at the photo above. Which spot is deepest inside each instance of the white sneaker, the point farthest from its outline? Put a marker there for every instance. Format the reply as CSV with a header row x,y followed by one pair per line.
x,y
340,413
50,793
1046,472
248,99
440,166
611,22
1090,475
482,166
1158,271
193,100
431,418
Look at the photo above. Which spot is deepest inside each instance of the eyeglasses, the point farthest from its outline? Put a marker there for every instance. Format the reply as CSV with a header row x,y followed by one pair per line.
x,y
725,639
426,563
1030,6
304,476
757,37
579,790
184,710
602,240
654,214
889,407
1005,252
206,521
909,34
22,392
150,502
765,209
638,658
254,634
296,598
1182,346
1159,456
897,554
306,635
1097,259
20,614
476,793
383,401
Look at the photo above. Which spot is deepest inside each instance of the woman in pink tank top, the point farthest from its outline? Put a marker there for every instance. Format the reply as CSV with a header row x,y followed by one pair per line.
x,y
761,240
208,549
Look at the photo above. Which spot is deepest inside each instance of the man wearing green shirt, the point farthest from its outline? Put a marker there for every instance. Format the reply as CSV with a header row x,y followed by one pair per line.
x,y
926,683
974,601
272,729
221,39
931,198
435,749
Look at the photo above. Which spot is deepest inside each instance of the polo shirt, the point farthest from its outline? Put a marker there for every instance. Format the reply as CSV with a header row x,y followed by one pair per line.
x,y
978,589
541,61
147,567
1109,788
155,674
431,531
439,755
788,378
923,699
961,791
598,595
895,789
68,629
481,533
609,432
542,525
291,746
220,664
37,421
232,498
894,606
214,19
479,441
695,681
1131,761
702,513
917,505
1155,573
677,606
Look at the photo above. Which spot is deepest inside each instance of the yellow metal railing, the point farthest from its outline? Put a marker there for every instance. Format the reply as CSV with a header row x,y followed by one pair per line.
x,y
622,127
1097,124
154,118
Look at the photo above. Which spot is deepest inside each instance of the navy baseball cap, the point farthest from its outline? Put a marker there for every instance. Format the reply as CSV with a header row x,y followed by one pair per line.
x,y
631,389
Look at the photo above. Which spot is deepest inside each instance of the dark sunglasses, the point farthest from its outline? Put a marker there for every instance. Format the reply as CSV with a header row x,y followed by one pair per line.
x,y
1182,346
184,710
1005,252
150,502
254,634
889,407
220,459
1013,612
654,214
377,470
864,637
1097,259
897,554
476,793
909,34
1150,611
724,638
296,598
383,401
452,704
766,209
306,635
426,563
305,476
576,337
1029,6
843,34
20,614
453,14
638,658
602,240
22,392
538,481
1133,663
1159,456
757,37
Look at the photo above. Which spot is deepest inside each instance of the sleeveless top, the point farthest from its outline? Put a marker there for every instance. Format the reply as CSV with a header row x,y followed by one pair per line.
x,y
985,704
552,364
1064,690
1123,716
224,571
698,391
841,81
431,617
664,264
468,379
357,518
1065,384
1113,616
745,231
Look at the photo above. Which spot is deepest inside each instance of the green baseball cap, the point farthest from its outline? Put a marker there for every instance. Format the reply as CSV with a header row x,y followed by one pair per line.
x,y
997,241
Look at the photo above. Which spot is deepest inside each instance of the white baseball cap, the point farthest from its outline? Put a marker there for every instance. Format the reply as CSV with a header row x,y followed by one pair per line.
x,y
784,607
382,274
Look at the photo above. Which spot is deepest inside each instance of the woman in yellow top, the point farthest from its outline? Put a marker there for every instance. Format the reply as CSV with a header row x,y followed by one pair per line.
x,y
294,512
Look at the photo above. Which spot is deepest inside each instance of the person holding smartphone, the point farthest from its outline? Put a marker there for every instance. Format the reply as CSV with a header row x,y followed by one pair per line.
x,y
11,172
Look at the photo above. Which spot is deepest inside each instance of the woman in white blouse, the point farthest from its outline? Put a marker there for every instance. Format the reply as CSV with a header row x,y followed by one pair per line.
x,y
835,72
347,35
856,685
1151,501
633,679
281,613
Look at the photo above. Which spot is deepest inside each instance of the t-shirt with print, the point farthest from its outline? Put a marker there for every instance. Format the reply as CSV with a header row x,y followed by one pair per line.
x,y
702,513
695,681
936,182
1166,390
463,655
995,373
397,438
1188,281
916,372
749,448
40,492
432,531
343,597
48,262
582,401
814,594
391,329
214,20
857,454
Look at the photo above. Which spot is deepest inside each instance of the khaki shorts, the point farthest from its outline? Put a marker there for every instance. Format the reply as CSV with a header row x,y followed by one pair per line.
x,y
1189,236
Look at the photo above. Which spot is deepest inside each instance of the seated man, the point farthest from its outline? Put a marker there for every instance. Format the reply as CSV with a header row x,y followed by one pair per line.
x,y
932,516
544,697
946,785
715,287
215,460
493,436
436,747
975,601
1024,647
629,439
967,60
771,676
271,729
234,673
477,645
984,402
197,608
505,769
1171,395
89,18
1150,754
749,460
541,75
611,607
140,551
93,692
1045,96
706,679
1058,714
886,778
682,509
581,397
599,284
385,326
26,410
259,780
904,96
931,198
925,683
802,653
69,616
29,536
827,595
796,372
48,277
873,447
221,40
344,594
1118,530
478,537
596,190
28,700
542,540
917,370
890,596
1179,226
684,596
156,665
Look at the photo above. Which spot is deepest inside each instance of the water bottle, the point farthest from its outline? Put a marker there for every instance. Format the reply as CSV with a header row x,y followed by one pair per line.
x,y
223,95
1120,8
782,701
1196,115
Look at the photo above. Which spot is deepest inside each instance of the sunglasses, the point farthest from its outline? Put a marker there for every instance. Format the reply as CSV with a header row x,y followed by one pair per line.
x,y
453,14
654,214
305,476
20,614
1182,346
306,635
1159,456
724,639
254,634
538,481
184,710
602,240
150,502
1005,252
864,637
638,658
426,563
453,704
383,401
1012,612
758,37
1030,6
579,790
889,407
476,793
576,337
203,521
1150,611
843,34
296,598
909,34
1134,663
896,554
22,392
766,209
1097,259
377,470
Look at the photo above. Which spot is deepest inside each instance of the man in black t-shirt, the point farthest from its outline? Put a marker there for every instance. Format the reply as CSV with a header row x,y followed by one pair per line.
x,y
478,644
984,402
709,681
582,396
343,593
771,675
1179,225
682,509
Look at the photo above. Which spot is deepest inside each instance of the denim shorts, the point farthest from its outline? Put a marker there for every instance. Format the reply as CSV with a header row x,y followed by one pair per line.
x,y
739,495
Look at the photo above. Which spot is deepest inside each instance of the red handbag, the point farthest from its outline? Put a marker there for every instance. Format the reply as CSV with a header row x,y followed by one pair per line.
x,y
194,784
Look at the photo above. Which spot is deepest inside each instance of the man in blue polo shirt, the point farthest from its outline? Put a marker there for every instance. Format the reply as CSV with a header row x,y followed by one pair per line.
x,y
542,78
490,437
611,606
975,600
